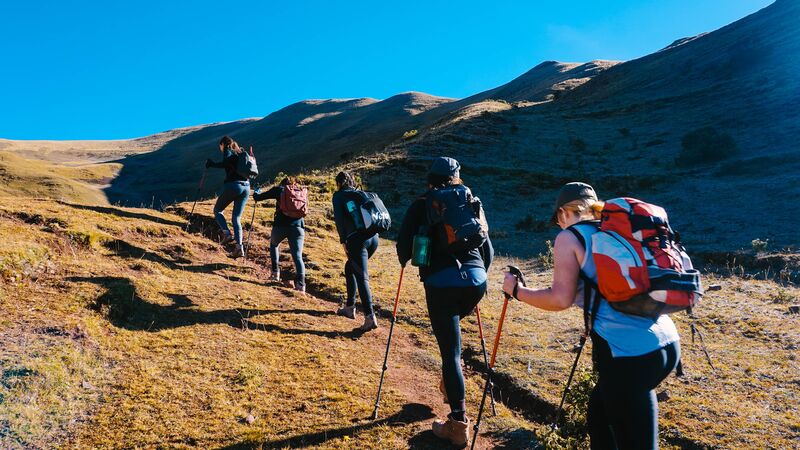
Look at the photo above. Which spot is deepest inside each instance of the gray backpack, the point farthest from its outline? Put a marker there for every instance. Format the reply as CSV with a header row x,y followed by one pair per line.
x,y
246,164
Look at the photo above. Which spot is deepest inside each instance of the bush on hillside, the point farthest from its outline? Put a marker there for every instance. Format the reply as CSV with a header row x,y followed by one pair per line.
x,y
578,144
704,146
409,134
529,223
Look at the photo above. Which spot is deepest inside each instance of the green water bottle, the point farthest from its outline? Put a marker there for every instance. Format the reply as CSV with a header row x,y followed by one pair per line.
x,y
420,250
353,209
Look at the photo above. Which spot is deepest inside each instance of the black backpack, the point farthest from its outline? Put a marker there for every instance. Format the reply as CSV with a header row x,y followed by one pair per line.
x,y
370,215
456,219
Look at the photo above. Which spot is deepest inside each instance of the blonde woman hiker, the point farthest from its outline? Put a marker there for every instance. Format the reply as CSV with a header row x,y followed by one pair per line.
x,y
632,354
236,190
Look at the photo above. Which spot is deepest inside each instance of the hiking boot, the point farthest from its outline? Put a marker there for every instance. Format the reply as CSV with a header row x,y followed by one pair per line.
x,y
275,277
238,252
442,389
455,431
300,288
370,323
347,311
227,237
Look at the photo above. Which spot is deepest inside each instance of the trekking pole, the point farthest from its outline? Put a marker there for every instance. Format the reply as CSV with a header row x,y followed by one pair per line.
x,y
520,279
569,381
485,355
196,197
388,343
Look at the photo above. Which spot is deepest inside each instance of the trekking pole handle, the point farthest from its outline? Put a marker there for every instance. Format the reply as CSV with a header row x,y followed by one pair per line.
x,y
514,270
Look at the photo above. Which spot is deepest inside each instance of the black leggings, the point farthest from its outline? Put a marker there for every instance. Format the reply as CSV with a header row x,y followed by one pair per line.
x,y
446,308
356,272
623,411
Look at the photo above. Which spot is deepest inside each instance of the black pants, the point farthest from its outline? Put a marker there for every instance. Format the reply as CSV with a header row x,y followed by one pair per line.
x,y
623,411
356,273
446,308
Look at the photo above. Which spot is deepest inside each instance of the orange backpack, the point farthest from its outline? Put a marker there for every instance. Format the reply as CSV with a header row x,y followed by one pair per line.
x,y
642,268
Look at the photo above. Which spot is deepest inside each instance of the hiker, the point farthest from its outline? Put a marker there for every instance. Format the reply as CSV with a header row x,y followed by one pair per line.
x,y
358,250
632,354
236,190
288,224
454,284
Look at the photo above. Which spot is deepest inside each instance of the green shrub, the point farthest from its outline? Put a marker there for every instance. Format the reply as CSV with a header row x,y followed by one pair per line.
x,y
759,245
573,432
704,146
545,260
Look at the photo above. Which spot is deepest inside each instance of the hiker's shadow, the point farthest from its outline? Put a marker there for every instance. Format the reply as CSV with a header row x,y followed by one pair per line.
x,y
127,250
330,334
124,308
123,213
410,413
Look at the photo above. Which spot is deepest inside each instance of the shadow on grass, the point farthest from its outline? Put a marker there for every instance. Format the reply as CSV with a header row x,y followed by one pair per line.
x,y
410,413
330,334
124,308
122,213
125,249
514,439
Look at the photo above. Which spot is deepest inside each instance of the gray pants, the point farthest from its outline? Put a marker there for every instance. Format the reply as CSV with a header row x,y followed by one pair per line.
x,y
295,236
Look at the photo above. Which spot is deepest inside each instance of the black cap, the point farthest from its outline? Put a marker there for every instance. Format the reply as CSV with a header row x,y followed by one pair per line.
x,y
445,167
571,192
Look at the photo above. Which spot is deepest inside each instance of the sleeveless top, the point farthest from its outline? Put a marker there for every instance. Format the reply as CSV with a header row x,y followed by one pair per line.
x,y
627,335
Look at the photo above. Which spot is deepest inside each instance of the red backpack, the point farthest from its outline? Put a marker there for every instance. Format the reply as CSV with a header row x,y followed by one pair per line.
x,y
642,268
294,201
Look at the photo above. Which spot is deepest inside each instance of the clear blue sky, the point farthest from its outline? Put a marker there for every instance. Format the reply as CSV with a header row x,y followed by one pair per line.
x,y
120,69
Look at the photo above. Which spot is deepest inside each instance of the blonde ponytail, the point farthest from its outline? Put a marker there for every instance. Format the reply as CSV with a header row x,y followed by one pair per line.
x,y
585,208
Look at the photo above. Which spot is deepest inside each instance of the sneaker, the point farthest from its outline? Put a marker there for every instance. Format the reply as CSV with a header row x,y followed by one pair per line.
x,y
275,277
347,311
455,431
300,288
370,323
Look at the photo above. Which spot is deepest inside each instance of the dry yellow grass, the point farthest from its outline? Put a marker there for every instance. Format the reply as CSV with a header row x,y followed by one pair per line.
x,y
119,330
23,177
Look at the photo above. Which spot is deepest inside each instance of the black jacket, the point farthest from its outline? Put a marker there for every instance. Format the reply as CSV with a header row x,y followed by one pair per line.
x,y
229,161
281,219
416,217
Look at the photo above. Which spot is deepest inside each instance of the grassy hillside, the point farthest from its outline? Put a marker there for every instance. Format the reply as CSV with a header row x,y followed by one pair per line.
x,y
34,178
119,330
